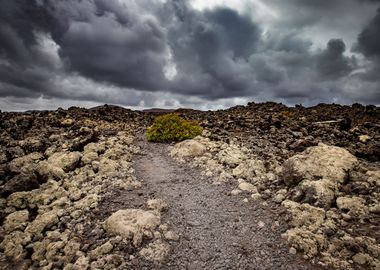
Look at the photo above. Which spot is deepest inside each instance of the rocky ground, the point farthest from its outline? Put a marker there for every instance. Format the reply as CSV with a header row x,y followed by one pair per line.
x,y
265,187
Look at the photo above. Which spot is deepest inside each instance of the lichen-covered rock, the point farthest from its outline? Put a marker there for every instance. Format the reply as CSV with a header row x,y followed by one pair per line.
x,y
187,148
43,221
231,156
13,245
157,204
16,221
319,162
101,250
320,170
247,187
305,241
25,164
305,215
67,161
354,205
249,169
131,224
156,251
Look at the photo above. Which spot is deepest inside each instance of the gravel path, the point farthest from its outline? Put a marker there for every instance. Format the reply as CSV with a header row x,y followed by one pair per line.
x,y
218,231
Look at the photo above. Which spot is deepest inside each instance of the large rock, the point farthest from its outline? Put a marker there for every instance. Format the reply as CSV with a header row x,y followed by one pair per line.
x,y
13,245
43,221
16,221
305,215
132,224
321,170
188,148
354,205
67,161
20,182
156,251
25,164
319,162
249,169
231,156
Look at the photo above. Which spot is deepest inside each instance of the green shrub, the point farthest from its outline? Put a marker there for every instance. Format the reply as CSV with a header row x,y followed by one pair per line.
x,y
172,127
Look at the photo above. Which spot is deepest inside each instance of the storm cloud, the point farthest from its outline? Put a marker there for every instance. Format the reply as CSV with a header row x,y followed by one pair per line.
x,y
173,53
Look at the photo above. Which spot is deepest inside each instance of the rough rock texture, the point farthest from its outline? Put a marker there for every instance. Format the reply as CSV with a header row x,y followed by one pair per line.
x,y
132,224
319,171
188,148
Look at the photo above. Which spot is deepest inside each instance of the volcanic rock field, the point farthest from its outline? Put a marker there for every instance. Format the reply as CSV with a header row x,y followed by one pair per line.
x,y
266,186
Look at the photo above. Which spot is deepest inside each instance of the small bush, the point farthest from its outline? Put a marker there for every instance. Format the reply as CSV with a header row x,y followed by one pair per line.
x,y
172,127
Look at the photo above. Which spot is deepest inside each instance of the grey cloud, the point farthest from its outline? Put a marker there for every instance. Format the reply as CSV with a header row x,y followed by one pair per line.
x,y
369,38
332,64
117,51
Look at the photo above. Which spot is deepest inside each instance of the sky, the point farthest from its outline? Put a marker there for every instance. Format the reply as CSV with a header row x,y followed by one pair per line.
x,y
187,53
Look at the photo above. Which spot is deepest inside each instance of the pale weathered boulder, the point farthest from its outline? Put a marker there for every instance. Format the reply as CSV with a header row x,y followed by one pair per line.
x,y
13,245
188,148
25,164
67,161
305,215
249,169
43,221
320,193
354,205
157,204
156,251
305,241
16,221
322,161
247,187
231,156
321,169
131,224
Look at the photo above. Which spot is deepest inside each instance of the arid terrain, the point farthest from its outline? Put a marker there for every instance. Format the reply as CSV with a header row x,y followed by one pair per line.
x,y
266,186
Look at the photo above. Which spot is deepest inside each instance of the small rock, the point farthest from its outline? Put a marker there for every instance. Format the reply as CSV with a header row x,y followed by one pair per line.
x,y
293,251
170,235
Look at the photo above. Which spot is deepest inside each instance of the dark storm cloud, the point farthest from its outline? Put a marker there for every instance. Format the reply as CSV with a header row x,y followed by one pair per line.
x,y
132,51
332,64
369,38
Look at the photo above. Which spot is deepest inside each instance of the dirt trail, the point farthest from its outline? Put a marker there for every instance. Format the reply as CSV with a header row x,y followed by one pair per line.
x,y
217,230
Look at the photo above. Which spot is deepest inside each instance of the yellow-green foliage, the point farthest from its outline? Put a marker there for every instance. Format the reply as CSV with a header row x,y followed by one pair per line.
x,y
172,127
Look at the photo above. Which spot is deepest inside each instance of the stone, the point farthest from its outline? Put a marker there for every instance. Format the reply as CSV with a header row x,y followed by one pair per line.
x,y
67,161
319,162
361,258
305,215
157,204
231,156
67,122
188,148
13,245
20,182
16,221
131,224
320,170
354,205
170,235
25,164
247,187
43,221
364,138
236,192
305,241
156,251
101,250
249,169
